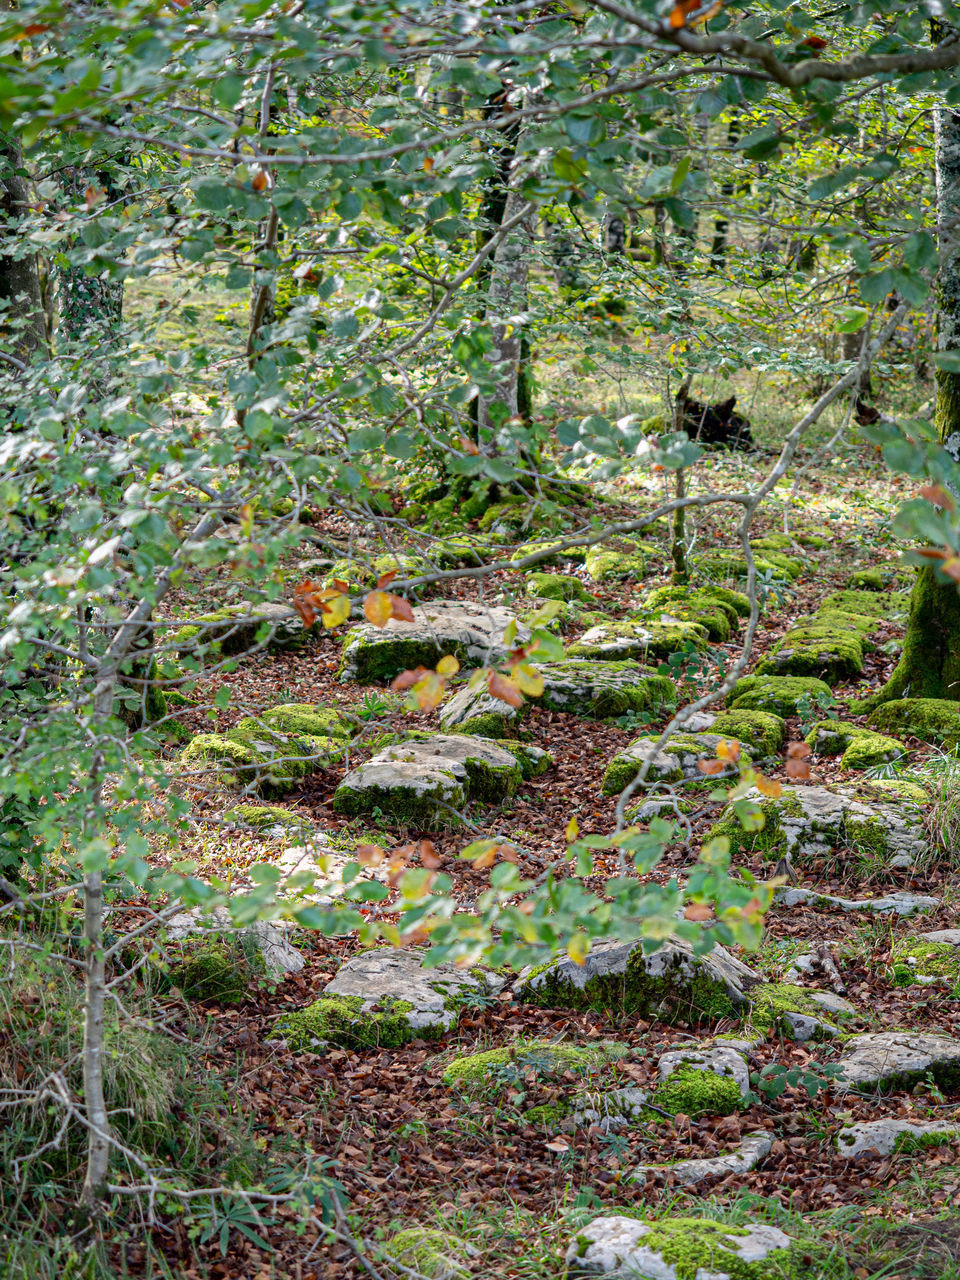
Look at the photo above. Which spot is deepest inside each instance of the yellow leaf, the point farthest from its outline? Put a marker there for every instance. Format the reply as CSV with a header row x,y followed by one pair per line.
x,y
728,749
335,611
577,948
529,679
769,787
448,666
378,608
572,828
429,691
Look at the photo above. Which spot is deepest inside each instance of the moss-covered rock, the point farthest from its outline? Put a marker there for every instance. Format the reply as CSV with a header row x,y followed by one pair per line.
x,y
472,633
678,758
638,637
209,969
556,586
869,579
630,559
867,603
550,552
684,1249
264,816
341,1020
477,1071
929,719
305,718
734,566
698,1093
815,649
702,606
603,689
733,603
860,748
775,1006
761,732
275,762
430,1253
235,629
931,959
533,761
776,694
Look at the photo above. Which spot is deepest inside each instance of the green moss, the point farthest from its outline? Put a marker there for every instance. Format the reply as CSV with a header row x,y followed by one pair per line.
x,y
914,959
771,1000
698,1093
274,761
929,666
478,1070
557,586
403,565
772,542
605,564
382,658
710,598
731,565
871,749
340,1020
405,804
698,606
866,603
547,1116
906,1143
550,556
893,789
426,1252
673,994
456,553
301,718
602,698
262,816
219,632
640,637
815,649
532,763
209,969
868,579
777,694
762,733
769,841
929,719
841,619
623,768
697,1247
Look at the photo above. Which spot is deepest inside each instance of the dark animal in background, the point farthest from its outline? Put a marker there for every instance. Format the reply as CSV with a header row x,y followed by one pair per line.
x,y
717,425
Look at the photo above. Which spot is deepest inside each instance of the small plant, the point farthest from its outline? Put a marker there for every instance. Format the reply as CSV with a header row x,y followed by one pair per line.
x,y
373,706
814,707
775,1079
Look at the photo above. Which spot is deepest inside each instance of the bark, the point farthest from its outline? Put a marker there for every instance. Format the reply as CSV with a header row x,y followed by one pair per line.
x,y
506,296
929,666
22,324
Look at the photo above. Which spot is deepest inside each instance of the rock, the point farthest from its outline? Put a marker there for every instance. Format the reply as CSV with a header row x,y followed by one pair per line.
x,y
265,946
762,733
814,821
800,1012
629,1247
429,780
776,694
473,633
234,630
259,759
634,560
900,904
929,959
475,1071
897,1059
389,973
858,748
893,1133
582,688
679,758
699,721
721,1060
815,648
610,1111
557,586
707,607
687,1172
929,719
268,819
669,982
640,638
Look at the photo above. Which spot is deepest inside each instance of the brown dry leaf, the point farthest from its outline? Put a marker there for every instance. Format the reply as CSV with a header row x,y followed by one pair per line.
x,y
305,602
502,687
710,767
697,911
798,765
401,609
939,496
371,855
386,578
429,856
259,181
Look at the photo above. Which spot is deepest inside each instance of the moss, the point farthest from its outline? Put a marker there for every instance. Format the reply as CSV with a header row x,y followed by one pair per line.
x,y
340,1020
866,603
262,816
815,649
699,1247
550,556
929,666
547,1116
868,579
772,542
406,804
491,783
843,619
770,841
457,553
426,1252
771,1000
603,692
906,1143
869,749
606,564
557,586
547,1059
674,993
709,598
404,566
760,731
274,761
914,959
717,616
532,763
698,1093
640,637
929,719
489,725
301,718
380,658
893,789
211,969
777,694
623,768
230,637
731,565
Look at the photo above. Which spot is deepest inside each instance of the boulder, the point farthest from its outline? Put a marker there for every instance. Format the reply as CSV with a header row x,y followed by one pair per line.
x,y
254,758
893,1133
476,1071
929,719
777,694
930,959
679,758
430,779
235,628
264,946
670,982
473,633
898,1059
641,638
802,1013
721,1060
610,1111
898,904
688,1172
675,1248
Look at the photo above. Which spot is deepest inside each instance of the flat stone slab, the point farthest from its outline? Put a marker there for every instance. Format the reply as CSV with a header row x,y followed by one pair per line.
x,y
473,633
627,1248
636,638
670,981
884,1136
390,973
900,904
261,942
430,779
688,1172
897,1059
722,1060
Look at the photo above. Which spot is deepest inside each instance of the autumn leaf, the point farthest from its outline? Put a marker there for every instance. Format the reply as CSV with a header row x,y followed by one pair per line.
x,y
371,855
386,578
468,446
428,164
502,687
728,750
798,766
485,859
710,767
528,679
304,601
768,786
259,181
429,856
951,568
578,947
939,496
401,609
377,608
407,679
572,829
334,608
92,196
448,666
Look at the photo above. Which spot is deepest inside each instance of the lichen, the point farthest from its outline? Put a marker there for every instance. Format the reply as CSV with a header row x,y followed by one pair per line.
x,y
341,1020
760,731
698,1093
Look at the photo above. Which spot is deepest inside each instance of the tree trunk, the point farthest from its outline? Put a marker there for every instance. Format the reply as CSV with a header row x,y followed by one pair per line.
x,y
929,666
506,296
22,326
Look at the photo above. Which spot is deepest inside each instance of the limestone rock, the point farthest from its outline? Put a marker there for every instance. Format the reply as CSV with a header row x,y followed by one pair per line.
x,y
264,946
611,1111
722,1060
900,904
678,758
896,1059
629,1247
473,633
477,711
392,974
640,638
688,1172
430,779
669,982
234,629
892,1132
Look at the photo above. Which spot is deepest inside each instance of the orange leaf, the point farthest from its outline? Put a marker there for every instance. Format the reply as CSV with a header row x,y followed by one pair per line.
x,y
35,28
429,691
92,196
377,608
769,786
468,446
697,911
728,749
502,687
932,553
386,578
428,164
485,859
939,496
407,679
710,767
401,609
371,855
305,602
429,856
259,181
